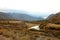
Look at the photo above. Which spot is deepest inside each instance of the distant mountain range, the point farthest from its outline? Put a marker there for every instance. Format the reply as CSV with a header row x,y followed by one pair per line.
x,y
18,16
5,15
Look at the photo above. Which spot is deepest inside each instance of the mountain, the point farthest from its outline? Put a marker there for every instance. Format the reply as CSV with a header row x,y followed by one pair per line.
x,y
19,16
51,15
5,16
25,17
55,18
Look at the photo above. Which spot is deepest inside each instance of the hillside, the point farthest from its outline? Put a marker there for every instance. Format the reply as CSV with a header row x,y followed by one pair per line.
x,y
51,15
55,18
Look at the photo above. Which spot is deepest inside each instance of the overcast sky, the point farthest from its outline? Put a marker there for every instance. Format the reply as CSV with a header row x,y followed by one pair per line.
x,y
39,6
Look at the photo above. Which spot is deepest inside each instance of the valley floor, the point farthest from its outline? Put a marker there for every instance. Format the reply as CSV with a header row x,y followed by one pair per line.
x,y
21,32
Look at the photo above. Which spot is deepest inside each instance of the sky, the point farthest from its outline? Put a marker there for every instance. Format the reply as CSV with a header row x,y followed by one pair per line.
x,y
34,7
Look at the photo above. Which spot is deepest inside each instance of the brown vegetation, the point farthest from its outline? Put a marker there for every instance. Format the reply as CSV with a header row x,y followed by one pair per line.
x,y
55,19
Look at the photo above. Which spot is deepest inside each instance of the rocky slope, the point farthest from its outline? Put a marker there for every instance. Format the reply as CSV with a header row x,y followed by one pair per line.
x,y
55,18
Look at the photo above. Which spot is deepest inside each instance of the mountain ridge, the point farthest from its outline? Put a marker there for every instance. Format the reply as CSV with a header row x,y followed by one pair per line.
x,y
19,16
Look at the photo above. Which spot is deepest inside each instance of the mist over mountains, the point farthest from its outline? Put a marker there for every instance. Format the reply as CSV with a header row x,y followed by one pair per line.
x,y
35,14
19,16
22,15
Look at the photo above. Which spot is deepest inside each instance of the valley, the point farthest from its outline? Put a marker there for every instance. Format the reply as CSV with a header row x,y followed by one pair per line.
x,y
13,29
